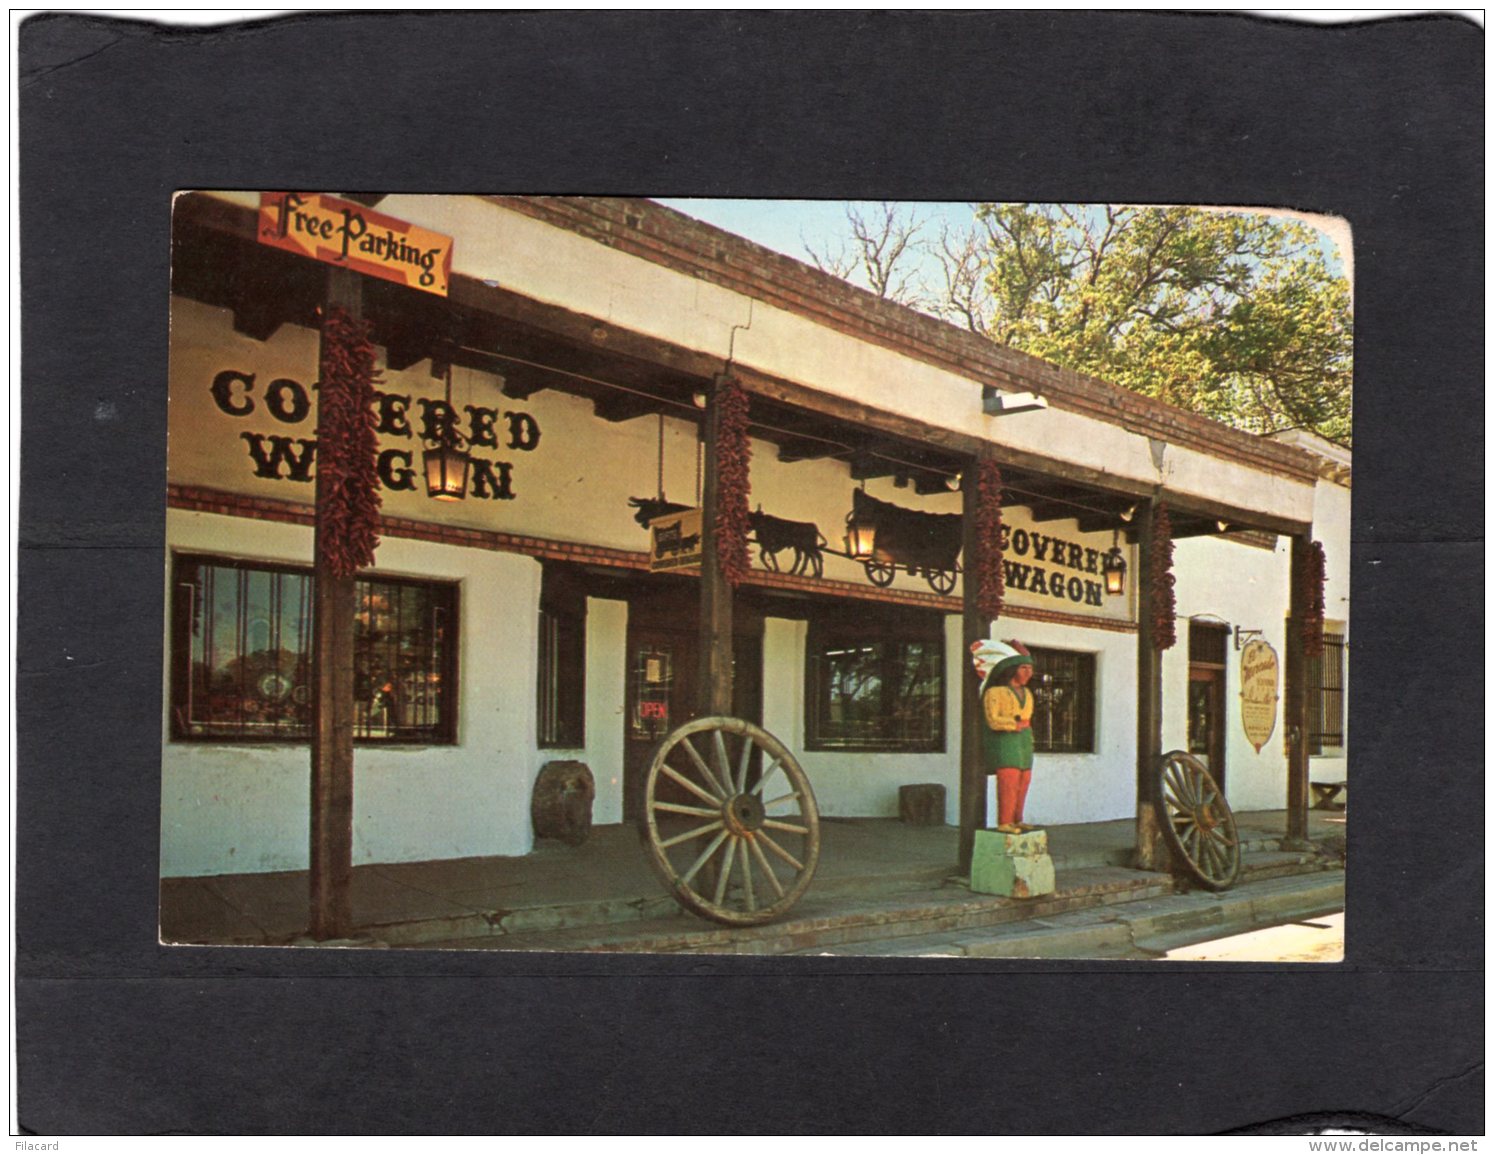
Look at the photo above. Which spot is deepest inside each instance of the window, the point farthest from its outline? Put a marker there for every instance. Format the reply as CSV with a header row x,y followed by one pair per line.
x,y
241,655
875,683
562,662
1325,696
1063,715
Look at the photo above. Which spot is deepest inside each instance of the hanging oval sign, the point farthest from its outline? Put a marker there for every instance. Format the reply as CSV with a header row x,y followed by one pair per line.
x,y
1258,692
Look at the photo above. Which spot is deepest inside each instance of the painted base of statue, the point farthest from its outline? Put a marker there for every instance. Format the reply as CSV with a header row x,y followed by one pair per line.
x,y
1012,864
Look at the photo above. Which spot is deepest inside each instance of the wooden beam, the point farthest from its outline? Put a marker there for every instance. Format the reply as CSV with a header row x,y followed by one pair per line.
x,y
952,441
715,591
1151,854
619,406
257,317
918,433
972,629
865,466
1295,723
925,483
521,382
405,348
332,703
792,449
1049,510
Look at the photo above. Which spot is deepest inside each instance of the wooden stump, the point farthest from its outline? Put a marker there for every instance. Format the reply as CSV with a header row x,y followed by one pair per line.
x,y
561,806
921,804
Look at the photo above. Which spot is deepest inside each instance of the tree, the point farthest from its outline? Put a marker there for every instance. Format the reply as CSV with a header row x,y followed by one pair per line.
x,y
1236,316
882,253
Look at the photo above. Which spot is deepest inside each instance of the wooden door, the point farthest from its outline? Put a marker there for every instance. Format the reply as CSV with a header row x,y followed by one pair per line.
x,y
1206,718
663,690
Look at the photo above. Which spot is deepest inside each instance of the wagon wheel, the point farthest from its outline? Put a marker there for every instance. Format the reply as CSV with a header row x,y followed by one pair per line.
x,y
880,573
941,581
1197,822
730,821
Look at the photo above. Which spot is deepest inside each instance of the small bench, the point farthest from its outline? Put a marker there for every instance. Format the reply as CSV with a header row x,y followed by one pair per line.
x,y
1325,795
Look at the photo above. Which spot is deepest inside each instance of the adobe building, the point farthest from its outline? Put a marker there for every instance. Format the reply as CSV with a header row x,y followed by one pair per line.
x,y
529,622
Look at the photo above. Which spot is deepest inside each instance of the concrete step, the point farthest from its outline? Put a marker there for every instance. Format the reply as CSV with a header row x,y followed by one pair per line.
x,y
1252,843
822,919
643,914
847,912
1147,928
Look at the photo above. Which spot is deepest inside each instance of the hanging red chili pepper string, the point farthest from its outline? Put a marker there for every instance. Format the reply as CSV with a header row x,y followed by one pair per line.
x,y
733,484
347,445
1316,579
990,580
1163,596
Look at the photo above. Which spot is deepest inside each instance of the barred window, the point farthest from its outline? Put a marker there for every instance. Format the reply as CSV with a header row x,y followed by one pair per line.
x,y
875,684
1325,696
241,655
1063,715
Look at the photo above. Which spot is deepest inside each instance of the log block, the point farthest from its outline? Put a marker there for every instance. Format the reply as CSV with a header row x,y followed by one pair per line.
x,y
561,804
921,804
1013,865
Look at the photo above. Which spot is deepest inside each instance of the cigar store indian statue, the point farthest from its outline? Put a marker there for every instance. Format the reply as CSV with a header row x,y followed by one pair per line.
x,y
1005,668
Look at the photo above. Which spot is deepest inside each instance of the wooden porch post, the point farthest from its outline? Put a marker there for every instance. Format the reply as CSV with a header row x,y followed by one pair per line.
x,y
332,705
1295,724
972,779
715,591
1150,853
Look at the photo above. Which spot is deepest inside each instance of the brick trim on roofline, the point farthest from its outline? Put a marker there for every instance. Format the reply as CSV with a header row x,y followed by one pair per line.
x,y
659,234
202,499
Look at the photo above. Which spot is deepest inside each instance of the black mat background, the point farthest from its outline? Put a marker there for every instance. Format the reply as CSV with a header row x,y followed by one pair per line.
x,y
1382,124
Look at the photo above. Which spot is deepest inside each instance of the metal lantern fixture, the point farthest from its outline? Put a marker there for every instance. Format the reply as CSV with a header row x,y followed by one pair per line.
x,y
1114,569
446,460
861,536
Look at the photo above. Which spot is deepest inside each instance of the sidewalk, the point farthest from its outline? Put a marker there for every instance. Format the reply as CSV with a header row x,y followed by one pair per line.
x,y
875,876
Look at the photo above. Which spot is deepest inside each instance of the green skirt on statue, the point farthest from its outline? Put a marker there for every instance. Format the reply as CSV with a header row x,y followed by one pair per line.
x,y
1004,748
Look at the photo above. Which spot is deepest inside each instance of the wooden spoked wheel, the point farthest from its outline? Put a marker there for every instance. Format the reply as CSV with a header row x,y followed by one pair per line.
x,y
941,581
730,822
1197,822
879,573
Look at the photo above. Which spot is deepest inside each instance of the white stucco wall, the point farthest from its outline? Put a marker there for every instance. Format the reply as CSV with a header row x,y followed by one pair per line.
x,y
228,808
1221,581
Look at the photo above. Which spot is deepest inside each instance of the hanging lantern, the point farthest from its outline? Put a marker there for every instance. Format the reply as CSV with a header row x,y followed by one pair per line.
x,y
1114,569
446,469
861,536
446,460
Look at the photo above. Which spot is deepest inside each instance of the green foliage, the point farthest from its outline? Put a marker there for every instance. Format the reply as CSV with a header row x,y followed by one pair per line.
x,y
1234,316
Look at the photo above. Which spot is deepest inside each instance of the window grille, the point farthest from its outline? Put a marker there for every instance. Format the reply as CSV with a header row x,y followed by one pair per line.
x,y
1063,716
1325,696
241,655
875,685
562,680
